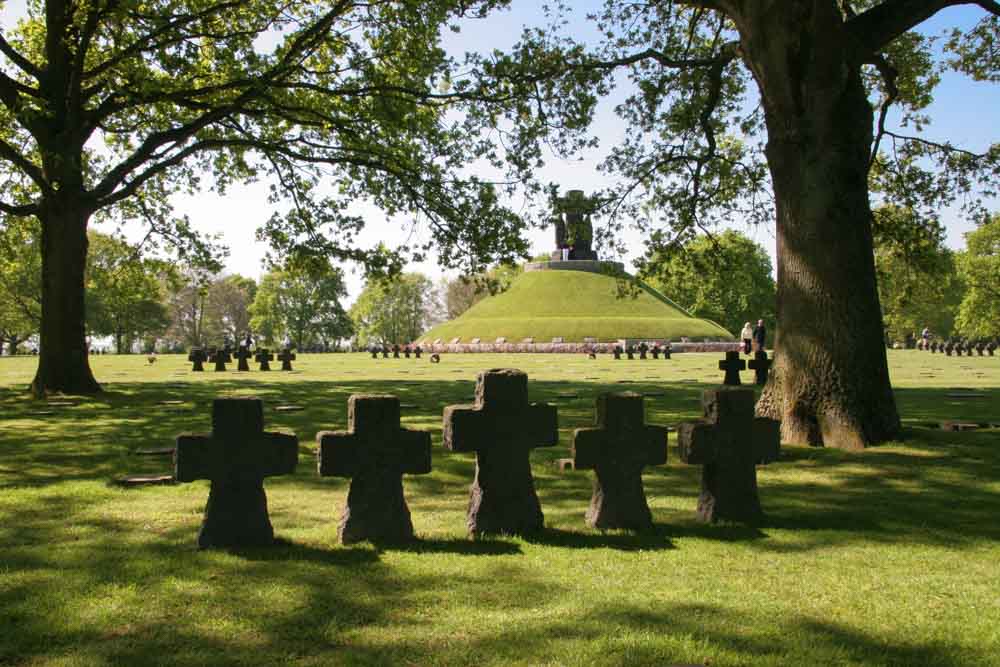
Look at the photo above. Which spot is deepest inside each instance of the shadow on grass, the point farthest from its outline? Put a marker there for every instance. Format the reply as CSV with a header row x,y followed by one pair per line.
x,y
651,540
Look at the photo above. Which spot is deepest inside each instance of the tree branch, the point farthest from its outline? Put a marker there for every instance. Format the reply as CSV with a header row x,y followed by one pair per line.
x,y
876,27
30,169
26,65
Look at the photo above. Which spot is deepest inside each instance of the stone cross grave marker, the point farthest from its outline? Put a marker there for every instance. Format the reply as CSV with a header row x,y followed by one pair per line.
x,y
406,352
242,355
732,364
643,348
417,351
286,358
617,352
374,352
760,365
236,456
197,357
374,452
264,357
729,443
617,449
630,352
666,351
501,428
395,351
220,358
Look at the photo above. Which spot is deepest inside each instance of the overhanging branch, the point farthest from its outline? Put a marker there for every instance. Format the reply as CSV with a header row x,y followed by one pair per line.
x,y
875,28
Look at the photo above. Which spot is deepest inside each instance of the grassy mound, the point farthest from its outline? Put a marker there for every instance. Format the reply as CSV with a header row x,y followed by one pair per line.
x,y
574,305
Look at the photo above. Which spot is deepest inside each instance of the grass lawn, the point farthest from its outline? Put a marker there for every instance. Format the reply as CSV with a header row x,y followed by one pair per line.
x,y
885,557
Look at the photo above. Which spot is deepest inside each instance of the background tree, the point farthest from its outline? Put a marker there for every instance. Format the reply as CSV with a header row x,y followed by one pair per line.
x,y
393,311
979,268
725,278
123,292
918,283
109,107
761,111
303,304
229,300
20,282
187,302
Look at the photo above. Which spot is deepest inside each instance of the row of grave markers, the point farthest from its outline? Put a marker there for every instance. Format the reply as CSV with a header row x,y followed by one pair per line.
x,y
501,427
958,348
221,356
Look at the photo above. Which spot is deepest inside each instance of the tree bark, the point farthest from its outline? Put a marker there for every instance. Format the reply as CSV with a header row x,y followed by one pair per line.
x,y
830,382
63,363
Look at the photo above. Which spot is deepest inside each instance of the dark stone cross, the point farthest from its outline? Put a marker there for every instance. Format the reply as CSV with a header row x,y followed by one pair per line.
x,y
242,355
406,352
220,358
617,351
236,457
729,443
286,358
502,428
417,351
630,352
374,452
666,351
374,352
385,351
264,357
934,346
617,450
732,364
948,347
395,351
656,352
197,357
643,348
991,347
760,365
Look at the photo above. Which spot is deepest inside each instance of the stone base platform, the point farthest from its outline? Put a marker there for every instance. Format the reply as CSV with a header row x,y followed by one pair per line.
x,y
587,265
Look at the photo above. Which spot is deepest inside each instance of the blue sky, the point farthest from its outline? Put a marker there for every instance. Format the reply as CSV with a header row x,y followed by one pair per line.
x,y
964,112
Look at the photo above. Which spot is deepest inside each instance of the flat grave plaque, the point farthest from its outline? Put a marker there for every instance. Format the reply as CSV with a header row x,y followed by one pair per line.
x,y
144,480
289,408
154,451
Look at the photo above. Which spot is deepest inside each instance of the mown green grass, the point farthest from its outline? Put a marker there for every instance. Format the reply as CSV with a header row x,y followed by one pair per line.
x,y
573,305
884,557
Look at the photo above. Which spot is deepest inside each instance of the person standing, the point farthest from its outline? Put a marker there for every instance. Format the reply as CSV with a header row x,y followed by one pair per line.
x,y
747,336
760,335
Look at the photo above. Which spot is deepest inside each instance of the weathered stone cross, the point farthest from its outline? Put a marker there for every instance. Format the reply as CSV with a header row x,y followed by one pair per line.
x,y
374,452
242,354
617,450
732,364
502,428
286,358
263,357
236,457
197,357
760,365
729,443
220,358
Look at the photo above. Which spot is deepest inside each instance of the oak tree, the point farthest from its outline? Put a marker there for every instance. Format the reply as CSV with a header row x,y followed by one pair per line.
x,y
773,110
109,107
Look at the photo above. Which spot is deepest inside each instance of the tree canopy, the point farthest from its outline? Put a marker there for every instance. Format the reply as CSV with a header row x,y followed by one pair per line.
x,y
725,278
979,268
302,305
107,108
394,311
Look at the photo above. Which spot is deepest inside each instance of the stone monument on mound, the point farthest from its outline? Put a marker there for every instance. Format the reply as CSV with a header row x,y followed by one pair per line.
x,y
574,231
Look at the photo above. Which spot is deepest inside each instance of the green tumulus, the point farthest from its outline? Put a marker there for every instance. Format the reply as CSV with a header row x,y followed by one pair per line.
x,y
545,303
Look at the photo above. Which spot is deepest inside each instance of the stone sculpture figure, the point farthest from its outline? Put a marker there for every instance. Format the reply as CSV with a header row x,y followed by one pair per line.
x,y
374,452
501,428
617,450
236,456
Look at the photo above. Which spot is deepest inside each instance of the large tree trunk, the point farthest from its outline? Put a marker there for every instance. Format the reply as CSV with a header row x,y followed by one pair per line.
x,y
63,364
830,384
